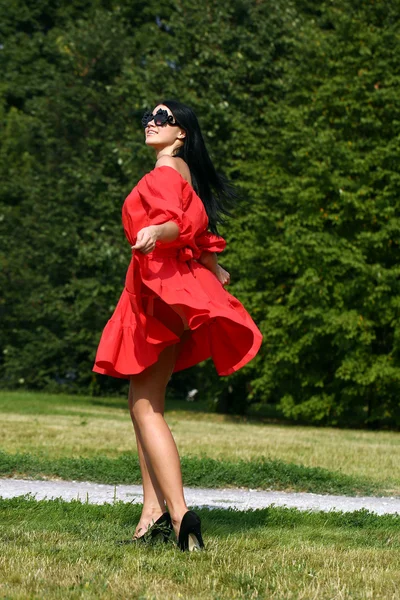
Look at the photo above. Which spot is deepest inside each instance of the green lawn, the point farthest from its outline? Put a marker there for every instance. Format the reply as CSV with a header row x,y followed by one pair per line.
x,y
92,438
59,550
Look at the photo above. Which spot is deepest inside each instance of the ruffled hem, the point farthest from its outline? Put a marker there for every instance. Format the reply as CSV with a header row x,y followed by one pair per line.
x,y
220,326
124,350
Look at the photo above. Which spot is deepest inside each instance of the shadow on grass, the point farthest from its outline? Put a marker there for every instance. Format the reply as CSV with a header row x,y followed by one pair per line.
x,y
48,404
39,403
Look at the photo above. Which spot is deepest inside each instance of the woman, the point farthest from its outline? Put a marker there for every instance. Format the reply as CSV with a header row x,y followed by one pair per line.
x,y
174,311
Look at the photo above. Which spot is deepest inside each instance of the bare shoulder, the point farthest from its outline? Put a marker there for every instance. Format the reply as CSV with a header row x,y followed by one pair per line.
x,y
176,163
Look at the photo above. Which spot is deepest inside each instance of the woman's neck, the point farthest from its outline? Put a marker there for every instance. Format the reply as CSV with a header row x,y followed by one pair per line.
x,y
160,154
168,150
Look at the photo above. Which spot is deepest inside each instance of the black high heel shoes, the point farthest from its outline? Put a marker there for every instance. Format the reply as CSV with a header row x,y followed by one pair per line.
x,y
163,527
190,537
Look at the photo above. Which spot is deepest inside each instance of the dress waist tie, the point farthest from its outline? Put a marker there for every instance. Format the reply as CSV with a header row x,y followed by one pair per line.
x,y
184,254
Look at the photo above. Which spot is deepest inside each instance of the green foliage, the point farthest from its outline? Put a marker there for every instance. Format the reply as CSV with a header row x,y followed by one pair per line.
x,y
322,252
321,244
301,109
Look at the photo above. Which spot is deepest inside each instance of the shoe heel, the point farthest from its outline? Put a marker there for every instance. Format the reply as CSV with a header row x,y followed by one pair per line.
x,y
195,541
190,537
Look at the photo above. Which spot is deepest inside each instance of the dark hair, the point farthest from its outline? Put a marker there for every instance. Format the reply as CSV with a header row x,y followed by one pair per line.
x,y
217,194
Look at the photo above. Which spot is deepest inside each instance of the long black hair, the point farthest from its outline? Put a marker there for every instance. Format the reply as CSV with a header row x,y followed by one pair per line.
x,y
218,195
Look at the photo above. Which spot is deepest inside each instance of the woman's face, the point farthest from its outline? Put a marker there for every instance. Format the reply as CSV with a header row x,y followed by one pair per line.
x,y
163,135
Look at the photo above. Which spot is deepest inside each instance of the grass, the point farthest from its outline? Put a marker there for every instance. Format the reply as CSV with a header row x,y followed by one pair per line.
x,y
60,550
202,472
92,438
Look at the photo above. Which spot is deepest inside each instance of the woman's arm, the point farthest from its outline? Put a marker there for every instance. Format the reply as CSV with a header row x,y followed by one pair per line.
x,y
148,236
210,261
168,232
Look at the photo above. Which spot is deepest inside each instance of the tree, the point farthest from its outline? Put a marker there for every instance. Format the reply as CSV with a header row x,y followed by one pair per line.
x,y
300,108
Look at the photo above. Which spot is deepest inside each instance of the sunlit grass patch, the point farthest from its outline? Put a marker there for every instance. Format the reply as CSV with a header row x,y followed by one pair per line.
x,y
72,427
55,549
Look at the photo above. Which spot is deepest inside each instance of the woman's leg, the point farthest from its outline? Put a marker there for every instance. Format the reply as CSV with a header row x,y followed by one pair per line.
x,y
162,478
153,499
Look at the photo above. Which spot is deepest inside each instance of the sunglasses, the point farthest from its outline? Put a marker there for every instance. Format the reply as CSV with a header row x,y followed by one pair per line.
x,y
160,118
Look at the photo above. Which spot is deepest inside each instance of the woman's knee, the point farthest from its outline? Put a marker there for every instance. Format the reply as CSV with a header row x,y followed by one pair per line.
x,y
142,409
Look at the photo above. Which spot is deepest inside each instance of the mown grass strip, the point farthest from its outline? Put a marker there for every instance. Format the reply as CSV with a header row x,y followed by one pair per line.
x,y
59,513
42,403
66,550
197,472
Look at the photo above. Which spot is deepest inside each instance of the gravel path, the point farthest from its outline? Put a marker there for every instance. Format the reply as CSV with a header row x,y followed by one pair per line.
x,y
235,498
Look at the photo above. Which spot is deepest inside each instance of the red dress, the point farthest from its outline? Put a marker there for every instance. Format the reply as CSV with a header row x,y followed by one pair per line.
x,y
143,322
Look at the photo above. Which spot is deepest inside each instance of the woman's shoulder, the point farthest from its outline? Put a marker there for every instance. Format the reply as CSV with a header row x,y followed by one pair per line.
x,y
176,163
161,180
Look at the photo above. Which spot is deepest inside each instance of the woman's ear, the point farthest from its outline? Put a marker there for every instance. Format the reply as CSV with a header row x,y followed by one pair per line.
x,y
181,134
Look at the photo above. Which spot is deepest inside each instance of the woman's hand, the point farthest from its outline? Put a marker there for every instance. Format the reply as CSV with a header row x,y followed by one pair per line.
x,y
146,239
210,261
148,236
222,275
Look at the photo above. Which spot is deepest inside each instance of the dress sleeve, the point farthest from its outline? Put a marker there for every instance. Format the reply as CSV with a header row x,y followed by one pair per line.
x,y
210,242
161,195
